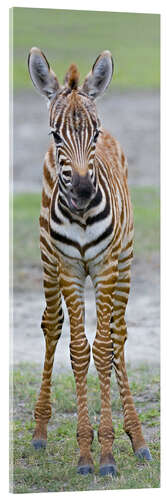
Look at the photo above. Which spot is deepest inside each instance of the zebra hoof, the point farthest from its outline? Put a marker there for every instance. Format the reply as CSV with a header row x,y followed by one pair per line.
x,y
39,444
85,465
107,465
143,453
85,469
108,469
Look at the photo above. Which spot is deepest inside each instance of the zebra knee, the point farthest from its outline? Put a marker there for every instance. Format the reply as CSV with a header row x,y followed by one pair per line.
x,y
80,356
52,322
103,353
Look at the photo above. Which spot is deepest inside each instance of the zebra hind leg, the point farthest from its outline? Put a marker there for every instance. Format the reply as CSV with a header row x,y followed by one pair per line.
x,y
118,327
132,425
52,331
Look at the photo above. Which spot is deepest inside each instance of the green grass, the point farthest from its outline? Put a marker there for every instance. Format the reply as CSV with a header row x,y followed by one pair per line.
x,y
146,205
79,36
55,469
26,208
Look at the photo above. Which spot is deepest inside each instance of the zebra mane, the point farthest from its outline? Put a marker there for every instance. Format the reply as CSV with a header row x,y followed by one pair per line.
x,y
72,77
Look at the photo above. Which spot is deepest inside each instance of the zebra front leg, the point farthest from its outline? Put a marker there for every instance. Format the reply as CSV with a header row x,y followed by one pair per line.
x,y
80,359
103,355
52,321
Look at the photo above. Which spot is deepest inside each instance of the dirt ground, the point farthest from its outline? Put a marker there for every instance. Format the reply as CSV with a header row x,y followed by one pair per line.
x,y
132,117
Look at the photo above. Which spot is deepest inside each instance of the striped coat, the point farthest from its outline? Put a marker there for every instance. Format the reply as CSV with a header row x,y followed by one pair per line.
x,y
86,228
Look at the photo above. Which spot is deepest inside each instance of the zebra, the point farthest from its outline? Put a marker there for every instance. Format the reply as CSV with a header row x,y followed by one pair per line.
x,y
86,228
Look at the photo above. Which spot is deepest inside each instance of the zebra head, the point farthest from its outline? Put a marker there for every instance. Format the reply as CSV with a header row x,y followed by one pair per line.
x,y
74,123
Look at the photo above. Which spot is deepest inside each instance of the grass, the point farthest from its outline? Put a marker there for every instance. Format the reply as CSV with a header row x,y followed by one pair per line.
x,y
79,36
146,205
26,208
55,469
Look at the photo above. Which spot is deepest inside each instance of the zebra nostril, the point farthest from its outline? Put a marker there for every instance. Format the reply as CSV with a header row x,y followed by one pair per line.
x,y
82,186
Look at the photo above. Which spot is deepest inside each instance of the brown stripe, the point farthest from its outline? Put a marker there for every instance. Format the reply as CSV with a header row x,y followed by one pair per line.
x,y
43,222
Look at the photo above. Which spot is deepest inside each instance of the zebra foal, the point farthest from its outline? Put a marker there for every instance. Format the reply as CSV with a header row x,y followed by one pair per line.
x,y
86,228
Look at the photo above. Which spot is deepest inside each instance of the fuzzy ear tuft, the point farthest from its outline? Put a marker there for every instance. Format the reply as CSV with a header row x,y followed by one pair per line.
x,y
41,74
97,81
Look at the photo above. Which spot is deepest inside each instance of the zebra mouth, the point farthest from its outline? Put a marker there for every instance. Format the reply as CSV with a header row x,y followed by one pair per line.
x,y
74,204
75,207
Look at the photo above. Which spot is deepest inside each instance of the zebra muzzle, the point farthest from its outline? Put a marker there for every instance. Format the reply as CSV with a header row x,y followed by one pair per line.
x,y
82,191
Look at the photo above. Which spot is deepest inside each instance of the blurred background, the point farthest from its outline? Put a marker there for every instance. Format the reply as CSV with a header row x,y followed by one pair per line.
x,y
130,111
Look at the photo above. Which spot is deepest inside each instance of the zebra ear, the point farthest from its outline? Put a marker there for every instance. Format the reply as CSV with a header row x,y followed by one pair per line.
x,y
99,78
41,75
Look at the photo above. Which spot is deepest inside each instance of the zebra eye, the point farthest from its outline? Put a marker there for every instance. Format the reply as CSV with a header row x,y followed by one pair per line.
x,y
95,137
57,137
66,174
